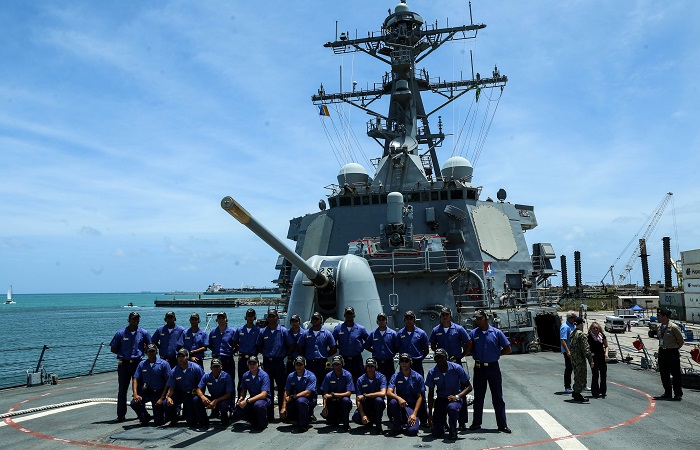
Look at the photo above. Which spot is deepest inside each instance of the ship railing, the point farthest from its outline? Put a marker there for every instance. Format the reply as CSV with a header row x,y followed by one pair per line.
x,y
19,366
425,261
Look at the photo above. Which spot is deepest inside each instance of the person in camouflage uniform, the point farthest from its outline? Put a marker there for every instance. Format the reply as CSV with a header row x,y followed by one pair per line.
x,y
580,354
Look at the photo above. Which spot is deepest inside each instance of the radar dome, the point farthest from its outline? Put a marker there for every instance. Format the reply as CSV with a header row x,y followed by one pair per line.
x,y
352,173
401,7
457,168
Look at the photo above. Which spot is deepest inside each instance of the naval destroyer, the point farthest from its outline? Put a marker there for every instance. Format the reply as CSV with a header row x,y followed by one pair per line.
x,y
415,234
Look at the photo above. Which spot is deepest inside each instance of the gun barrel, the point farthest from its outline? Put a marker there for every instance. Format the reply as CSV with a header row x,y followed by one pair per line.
x,y
236,210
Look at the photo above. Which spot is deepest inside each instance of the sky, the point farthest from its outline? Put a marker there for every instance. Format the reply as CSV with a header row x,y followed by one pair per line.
x,y
123,124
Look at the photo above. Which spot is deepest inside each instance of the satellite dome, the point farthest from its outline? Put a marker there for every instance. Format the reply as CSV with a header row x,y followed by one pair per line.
x,y
352,173
401,7
457,168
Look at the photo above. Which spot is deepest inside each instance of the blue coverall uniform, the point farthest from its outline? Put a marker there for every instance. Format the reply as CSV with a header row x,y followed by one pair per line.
x,y
152,379
410,389
351,341
129,347
372,407
256,412
185,383
217,387
338,407
446,384
301,408
486,350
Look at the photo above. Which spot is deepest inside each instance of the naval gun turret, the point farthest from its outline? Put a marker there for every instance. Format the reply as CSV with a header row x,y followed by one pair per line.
x,y
324,284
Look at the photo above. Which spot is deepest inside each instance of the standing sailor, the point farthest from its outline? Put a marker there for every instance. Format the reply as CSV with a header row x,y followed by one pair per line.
x,y
221,344
383,342
319,345
246,339
195,340
564,332
295,341
150,385
414,341
182,389
580,355
350,338
272,344
670,342
220,387
454,339
129,345
166,337
488,344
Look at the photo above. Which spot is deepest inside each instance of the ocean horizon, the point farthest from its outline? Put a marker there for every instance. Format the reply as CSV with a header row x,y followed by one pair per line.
x,y
77,328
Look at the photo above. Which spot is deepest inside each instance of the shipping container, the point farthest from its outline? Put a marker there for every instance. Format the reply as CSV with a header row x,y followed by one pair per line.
x,y
690,257
691,285
671,299
691,272
691,300
678,312
692,315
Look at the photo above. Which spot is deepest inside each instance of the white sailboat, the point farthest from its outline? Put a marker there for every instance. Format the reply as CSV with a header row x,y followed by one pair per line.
x,y
9,300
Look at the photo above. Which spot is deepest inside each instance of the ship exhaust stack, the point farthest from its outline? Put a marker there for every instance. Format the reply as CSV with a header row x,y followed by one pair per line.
x,y
645,264
668,279
577,272
232,207
564,275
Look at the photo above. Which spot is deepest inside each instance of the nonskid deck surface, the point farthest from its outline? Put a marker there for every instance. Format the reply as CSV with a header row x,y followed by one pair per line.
x,y
81,412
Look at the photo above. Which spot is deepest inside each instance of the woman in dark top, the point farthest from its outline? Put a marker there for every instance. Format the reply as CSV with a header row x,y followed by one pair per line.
x,y
599,348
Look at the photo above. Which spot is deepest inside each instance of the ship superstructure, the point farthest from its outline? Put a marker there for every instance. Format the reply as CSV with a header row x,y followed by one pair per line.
x,y
422,228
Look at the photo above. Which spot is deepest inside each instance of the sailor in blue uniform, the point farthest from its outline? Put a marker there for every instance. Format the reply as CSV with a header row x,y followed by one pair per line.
x,y
452,385
488,344
220,387
414,341
221,344
406,394
255,384
167,337
150,385
272,344
129,345
450,336
337,388
370,391
319,345
295,341
454,339
383,343
246,339
350,337
299,395
182,389
195,340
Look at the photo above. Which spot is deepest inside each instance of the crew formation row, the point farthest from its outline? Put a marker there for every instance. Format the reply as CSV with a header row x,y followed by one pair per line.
x,y
168,385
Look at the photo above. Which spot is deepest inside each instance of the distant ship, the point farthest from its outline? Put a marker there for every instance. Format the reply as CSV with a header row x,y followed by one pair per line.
x,y
218,289
9,300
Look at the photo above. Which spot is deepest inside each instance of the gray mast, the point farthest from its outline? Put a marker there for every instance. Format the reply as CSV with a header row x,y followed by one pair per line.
x,y
403,41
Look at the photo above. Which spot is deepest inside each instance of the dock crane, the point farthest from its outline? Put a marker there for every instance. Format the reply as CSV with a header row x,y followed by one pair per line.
x,y
653,221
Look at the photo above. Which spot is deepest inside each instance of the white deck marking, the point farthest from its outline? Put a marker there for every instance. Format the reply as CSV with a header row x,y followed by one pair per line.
x,y
553,428
25,417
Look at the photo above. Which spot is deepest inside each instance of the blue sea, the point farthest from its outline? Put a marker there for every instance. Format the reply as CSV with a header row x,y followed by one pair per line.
x,y
74,327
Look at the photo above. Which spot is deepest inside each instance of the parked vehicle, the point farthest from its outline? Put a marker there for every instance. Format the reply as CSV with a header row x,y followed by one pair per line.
x,y
613,324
